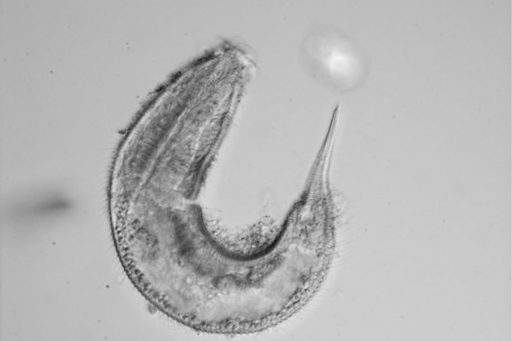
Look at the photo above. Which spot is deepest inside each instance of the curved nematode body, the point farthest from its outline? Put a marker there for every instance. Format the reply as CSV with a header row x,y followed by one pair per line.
x,y
186,268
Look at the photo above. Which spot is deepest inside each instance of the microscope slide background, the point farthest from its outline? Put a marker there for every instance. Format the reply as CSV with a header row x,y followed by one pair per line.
x,y
423,161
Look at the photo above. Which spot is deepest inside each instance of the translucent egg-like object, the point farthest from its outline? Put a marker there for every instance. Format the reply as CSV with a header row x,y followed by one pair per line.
x,y
334,59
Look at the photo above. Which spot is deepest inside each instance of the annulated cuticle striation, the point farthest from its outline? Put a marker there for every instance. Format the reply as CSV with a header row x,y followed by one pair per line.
x,y
182,262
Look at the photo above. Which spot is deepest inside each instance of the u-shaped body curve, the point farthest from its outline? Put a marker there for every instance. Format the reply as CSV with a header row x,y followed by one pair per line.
x,y
168,250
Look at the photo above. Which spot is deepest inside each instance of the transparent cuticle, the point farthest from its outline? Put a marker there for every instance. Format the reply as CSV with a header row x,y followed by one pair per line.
x,y
215,264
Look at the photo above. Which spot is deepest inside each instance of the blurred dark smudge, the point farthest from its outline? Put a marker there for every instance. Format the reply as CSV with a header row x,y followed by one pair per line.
x,y
39,204
51,204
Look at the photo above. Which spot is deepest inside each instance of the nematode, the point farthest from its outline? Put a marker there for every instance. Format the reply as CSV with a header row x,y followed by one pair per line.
x,y
207,280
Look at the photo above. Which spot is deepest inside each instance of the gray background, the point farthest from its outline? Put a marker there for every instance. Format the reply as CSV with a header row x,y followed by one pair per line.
x,y
423,160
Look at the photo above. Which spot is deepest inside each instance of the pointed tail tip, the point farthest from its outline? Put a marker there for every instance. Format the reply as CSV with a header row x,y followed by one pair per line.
x,y
329,138
319,172
336,113
328,145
